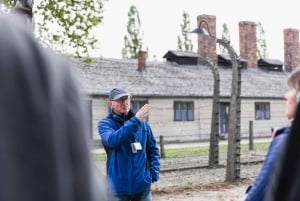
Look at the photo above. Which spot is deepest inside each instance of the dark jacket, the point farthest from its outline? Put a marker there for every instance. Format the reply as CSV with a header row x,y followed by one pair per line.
x,y
129,173
285,181
44,153
258,188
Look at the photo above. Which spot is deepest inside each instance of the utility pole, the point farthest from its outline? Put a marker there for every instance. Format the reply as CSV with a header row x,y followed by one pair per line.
x,y
234,132
213,160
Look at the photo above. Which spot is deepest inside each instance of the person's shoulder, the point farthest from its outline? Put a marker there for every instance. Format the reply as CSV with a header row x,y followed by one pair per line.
x,y
282,131
103,120
279,140
107,119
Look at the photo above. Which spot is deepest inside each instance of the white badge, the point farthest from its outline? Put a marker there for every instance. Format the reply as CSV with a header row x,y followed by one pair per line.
x,y
136,146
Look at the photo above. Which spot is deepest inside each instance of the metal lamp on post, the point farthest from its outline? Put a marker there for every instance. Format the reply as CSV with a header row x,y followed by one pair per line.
x,y
234,135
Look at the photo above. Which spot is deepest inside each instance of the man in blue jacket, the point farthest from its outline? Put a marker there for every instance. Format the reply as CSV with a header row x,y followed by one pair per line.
x,y
132,151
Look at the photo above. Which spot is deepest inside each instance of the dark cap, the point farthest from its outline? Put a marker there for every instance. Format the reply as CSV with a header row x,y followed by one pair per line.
x,y
117,93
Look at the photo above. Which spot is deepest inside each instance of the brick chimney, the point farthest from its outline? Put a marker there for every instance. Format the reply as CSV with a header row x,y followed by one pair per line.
x,y
206,44
291,49
142,60
248,48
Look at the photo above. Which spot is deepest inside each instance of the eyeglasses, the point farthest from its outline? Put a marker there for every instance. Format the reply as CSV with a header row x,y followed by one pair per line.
x,y
122,100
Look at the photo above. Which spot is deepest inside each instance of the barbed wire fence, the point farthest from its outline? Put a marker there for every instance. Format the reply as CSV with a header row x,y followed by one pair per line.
x,y
255,134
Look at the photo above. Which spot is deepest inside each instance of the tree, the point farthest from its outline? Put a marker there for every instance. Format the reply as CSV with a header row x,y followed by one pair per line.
x,y
74,19
132,41
225,36
184,42
66,23
8,3
262,51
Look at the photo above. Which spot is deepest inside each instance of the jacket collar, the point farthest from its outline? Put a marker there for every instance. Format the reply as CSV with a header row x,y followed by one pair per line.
x,y
121,118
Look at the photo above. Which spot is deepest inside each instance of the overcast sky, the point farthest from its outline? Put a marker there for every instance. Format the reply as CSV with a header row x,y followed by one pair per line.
x,y
161,19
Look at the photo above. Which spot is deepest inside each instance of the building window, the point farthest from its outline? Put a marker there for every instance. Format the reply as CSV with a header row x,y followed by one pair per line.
x,y
183,111
136,105
262,111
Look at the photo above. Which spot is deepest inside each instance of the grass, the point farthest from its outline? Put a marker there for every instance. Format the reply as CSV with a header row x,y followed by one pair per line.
x,y
99,157
193,151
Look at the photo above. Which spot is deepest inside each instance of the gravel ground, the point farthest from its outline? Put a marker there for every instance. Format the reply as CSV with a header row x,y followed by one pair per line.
x,y
203,183
203,176
214,192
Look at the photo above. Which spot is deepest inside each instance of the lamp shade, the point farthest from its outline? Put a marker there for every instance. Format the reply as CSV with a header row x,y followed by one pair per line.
x,y
201,31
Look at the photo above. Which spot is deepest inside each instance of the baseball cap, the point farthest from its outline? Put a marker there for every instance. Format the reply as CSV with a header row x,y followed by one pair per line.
x,y
117,93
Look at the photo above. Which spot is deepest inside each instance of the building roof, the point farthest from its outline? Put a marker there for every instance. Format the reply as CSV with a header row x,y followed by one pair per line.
x,y
166,79
265,61
179,53
270,64
182,57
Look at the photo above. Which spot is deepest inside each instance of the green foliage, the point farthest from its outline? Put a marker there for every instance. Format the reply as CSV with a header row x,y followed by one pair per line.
x,y
194,151
8,3
225,36
185,152
68,23
99,157
204,150
184,42
132,41
261,42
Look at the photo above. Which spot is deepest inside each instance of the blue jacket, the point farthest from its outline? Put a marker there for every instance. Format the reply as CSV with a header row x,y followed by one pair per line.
x,y
129,173
258,189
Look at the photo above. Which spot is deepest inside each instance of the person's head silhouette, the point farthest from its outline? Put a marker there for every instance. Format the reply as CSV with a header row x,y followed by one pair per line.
x,y
44,153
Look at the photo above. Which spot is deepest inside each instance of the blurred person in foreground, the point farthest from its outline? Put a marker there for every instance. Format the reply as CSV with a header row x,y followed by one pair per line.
x,y
44,152
133,160
285,180
258,189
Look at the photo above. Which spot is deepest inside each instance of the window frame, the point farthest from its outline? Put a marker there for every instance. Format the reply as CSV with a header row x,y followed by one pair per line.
x,y
262,110
184,110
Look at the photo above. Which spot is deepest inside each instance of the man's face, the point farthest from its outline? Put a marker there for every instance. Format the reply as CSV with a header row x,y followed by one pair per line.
x,y
121,106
